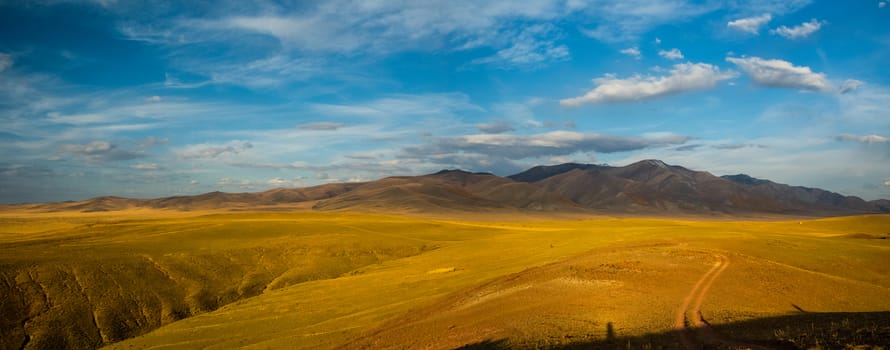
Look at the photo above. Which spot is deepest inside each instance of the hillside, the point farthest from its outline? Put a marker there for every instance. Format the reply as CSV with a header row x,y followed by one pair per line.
x,y
648,187
329,280
448,190
651,186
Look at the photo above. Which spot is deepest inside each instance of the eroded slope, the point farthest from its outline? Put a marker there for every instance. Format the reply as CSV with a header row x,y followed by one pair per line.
x,y
102,281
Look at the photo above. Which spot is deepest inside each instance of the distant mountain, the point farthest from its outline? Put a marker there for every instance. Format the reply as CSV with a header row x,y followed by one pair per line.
x,y
214,200
544,171
450,190
652,185
645,187
211,200
883,205
805,198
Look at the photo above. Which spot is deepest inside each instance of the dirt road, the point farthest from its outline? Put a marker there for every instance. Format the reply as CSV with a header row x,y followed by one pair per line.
x,y
689,323
695,297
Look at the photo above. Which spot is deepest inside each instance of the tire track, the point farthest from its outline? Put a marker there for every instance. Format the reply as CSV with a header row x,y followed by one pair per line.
x,y
696,309
681,325
686,327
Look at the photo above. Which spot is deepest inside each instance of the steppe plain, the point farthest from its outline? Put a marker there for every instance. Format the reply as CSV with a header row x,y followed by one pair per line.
x,y
214,279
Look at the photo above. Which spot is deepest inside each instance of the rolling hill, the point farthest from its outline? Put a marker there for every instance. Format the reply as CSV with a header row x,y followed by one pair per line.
x,y
648,187
448,190
221,270
162,279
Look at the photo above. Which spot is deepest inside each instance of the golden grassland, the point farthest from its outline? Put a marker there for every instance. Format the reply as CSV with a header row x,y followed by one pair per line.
x,y
291,280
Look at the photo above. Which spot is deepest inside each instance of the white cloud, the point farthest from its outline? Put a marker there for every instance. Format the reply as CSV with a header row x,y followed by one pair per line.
x,y
247,184
387,26
520,112
850,85
279,182
498,127
867,107
657,41
91,147
311,33
672,54
146,166
306,36
750,24
881,5
299,43
626,20
683,77
507,153
361,166
801,31
80,119
533,47
155,98
756,7
171,81
863,138
100,151
243,184
321,126
152,141
392,26
781,74
5,61
272,70
363,156
886,182
88,114
554,143
439,104
632,51
207,151
267,72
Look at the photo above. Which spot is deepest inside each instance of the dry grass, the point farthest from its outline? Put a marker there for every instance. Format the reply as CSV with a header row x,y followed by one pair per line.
x,y
311,280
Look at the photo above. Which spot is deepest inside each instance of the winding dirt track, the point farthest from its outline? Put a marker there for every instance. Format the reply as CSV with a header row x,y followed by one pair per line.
x,y
681,325
686,326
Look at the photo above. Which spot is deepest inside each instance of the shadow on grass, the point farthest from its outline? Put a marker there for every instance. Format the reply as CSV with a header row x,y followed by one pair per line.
x,y
837,330
486,345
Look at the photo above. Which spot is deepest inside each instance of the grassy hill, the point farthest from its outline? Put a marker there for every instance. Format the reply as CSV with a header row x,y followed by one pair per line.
x,y
148,279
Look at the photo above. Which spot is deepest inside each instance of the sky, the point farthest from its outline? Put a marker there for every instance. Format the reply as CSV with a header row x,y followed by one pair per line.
x,y
149,99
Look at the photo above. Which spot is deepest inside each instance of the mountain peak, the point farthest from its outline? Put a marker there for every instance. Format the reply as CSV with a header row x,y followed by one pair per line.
x,y
651,163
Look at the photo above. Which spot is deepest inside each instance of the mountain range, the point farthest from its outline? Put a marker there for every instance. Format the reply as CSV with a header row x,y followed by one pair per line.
x,y
648,187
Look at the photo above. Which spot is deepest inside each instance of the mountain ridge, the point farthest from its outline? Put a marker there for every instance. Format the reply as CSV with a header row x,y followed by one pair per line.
x,y
645,187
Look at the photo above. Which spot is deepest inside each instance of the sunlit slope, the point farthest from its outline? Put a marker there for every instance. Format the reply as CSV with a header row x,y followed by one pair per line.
x,y
529,284
86,280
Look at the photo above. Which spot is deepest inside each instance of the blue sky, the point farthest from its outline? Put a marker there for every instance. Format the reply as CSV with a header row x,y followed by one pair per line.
x,y
150,99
